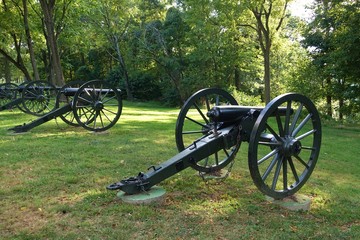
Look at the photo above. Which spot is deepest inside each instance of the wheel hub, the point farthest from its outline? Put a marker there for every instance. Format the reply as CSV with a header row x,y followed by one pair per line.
x,y
40,98
98,105
291,146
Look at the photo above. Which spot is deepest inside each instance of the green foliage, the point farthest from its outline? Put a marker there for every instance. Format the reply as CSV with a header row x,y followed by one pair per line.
x,y
244,99
333,38
145,86
167,50
115,77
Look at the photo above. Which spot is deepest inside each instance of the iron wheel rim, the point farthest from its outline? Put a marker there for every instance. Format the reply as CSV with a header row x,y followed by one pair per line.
x,y
87,110
193,124
39,98
8,93
292,153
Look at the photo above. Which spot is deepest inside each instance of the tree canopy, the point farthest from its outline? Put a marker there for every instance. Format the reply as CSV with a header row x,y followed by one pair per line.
x,y
167,49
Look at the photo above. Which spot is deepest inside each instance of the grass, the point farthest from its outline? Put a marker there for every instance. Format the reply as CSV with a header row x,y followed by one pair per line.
x,y
53,179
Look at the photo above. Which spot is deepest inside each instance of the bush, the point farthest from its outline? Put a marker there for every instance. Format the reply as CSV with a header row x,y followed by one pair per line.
x,y
144,87
244,99
142,84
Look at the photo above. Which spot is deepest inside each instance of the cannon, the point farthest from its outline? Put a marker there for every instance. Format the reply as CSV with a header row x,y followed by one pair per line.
x,y
94,105
284,140
8,92
35,97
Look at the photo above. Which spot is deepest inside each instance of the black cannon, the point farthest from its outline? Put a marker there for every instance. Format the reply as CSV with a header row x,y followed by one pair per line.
x,y
94,105
35,97
284,142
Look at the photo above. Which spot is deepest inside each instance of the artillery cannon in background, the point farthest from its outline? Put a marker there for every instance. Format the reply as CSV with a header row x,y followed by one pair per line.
x,y
35,97
93,105
284,142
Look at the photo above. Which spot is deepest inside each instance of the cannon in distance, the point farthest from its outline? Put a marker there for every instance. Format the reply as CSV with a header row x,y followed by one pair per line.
x,y
95,105
284,142
35,97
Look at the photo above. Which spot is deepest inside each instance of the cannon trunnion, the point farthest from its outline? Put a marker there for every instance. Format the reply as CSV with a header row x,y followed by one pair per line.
x,y
284,142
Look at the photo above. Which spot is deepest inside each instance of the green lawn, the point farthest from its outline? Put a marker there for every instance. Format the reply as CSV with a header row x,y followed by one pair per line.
x,y
53,179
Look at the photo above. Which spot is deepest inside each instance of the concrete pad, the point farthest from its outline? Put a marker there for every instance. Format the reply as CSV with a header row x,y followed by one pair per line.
x,y
11,133
295,202
218,175
153,195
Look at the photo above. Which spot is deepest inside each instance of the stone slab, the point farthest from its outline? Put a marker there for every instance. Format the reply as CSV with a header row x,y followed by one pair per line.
x,y
153,195
296,202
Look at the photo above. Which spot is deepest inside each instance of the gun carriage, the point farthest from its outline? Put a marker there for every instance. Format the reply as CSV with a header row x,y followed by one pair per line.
x,y
284,140
95,105
35,97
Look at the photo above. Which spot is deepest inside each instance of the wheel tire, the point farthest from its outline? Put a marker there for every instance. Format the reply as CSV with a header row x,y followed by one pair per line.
x,y
193,124
283,150
97,105
39,98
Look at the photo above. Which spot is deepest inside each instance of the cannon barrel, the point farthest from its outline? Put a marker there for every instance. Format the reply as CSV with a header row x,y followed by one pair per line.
x,y
71,91
234,113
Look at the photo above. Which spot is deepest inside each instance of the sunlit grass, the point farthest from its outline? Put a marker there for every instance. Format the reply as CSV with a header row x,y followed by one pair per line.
x,y
53,183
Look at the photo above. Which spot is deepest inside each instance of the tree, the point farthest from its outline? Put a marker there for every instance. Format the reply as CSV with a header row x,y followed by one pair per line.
x,y
345,57
12,38
333,39
164,44
5,69
23,11
113,19
269,16
218,51
51,34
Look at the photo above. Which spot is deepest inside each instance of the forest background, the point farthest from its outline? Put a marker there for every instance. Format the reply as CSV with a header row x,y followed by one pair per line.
x,y
166,50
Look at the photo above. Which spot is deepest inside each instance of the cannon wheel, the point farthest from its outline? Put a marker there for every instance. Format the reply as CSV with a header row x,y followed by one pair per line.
x,y
193,124
63,99
97,105
283,150
39,98
8,93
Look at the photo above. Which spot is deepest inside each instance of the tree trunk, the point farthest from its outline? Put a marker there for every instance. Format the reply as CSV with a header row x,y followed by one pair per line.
x,y
7,71
328,105
123,68
19,62
48,11
176,79
264,30
341,105
237,80
328,98
267,93
29,41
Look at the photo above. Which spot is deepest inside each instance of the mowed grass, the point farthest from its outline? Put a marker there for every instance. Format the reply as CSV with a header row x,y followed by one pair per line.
x,y
53,186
